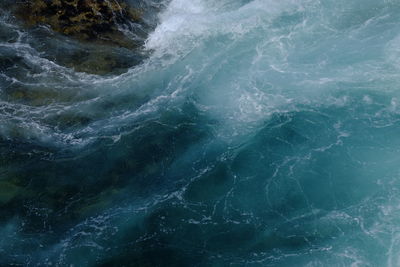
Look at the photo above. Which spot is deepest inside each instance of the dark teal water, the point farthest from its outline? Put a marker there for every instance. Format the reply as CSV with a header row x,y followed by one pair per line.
x,y
254,133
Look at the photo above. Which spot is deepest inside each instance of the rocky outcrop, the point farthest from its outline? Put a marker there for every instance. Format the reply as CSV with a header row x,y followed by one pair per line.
x,y
85,20
94,36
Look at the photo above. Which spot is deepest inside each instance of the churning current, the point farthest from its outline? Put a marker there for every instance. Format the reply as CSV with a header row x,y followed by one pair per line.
x,y
252,133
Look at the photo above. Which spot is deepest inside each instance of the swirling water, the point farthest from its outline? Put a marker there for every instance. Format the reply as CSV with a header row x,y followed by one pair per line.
x,y
256,133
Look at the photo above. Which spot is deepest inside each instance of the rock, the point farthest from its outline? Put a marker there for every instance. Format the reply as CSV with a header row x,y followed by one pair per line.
x,y
101,61
85,20
101,202
7,192
102,37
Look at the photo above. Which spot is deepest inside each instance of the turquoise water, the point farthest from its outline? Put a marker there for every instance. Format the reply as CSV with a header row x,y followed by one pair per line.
x,y
253,133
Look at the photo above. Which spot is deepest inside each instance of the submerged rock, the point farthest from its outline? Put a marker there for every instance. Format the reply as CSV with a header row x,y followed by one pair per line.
x,y
8,191
95,36
88,20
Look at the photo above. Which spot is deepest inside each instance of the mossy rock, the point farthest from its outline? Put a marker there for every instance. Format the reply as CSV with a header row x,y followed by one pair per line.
x,y
85,20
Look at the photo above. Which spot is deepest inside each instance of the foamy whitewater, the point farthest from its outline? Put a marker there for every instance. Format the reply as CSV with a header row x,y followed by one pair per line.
x,y
255,133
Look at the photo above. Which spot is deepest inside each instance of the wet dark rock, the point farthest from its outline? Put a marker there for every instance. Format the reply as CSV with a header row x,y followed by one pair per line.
x,y
87,20
8,191
93,36
101,60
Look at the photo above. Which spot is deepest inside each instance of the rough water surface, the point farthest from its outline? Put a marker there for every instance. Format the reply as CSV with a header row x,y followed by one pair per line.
x,y
256,133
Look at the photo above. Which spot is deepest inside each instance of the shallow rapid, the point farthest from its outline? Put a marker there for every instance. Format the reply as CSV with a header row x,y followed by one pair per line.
x,y
252,133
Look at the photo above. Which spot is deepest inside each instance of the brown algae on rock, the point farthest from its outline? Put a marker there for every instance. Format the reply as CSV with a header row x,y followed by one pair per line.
x,y
100,26
87,20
